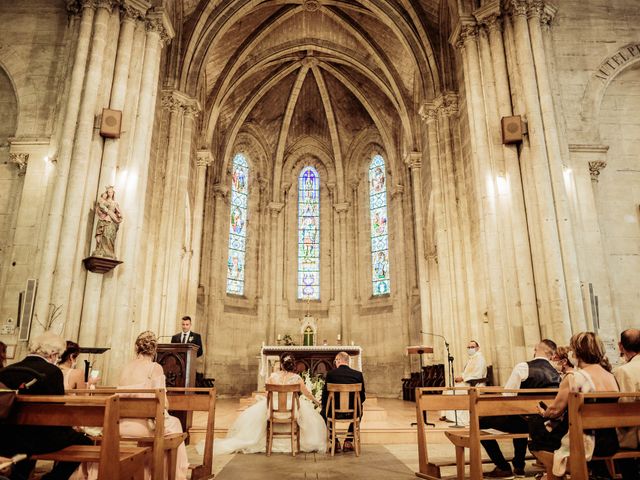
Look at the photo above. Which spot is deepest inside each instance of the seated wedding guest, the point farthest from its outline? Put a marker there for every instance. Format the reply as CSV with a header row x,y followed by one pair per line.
x,y
73,377
144,373
39,365
473,375
592,374
628,377
561,361
3,354
343,374
536,373
248,434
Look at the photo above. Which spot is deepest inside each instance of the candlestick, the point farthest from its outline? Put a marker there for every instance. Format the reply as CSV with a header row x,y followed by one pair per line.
x,y
339,337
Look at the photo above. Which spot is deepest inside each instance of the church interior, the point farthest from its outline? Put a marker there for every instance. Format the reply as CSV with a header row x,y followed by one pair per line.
x,y
351,174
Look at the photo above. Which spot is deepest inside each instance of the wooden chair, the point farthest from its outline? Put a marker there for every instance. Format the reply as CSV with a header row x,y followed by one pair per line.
x,y
347,412
281,412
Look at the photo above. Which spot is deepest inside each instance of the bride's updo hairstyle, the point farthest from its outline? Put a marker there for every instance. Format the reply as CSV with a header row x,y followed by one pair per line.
x,y
147,344
288,362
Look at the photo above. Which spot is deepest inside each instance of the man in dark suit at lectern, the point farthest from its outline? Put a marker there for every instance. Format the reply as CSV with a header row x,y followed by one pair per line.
x,y
344,374
187,336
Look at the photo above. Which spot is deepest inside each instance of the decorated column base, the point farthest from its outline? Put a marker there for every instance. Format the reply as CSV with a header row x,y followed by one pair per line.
x,y
100,264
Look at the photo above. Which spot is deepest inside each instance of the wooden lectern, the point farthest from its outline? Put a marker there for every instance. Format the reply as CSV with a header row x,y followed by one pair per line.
x,y
178,361
420,350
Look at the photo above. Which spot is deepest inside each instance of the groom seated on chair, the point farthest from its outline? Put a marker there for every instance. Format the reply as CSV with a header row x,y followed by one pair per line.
x,y
345,375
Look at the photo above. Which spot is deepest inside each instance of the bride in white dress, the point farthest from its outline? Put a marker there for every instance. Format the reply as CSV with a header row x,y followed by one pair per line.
x,y
248,434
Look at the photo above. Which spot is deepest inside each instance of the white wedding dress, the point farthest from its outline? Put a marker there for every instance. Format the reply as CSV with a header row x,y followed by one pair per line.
x,y
248,434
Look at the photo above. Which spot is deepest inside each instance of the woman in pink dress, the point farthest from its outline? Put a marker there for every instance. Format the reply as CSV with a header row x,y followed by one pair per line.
x,y
144,373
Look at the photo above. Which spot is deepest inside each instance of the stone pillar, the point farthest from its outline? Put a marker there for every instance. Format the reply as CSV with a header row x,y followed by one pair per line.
x,y
401,298
466,36
556,165
510,194
414,162
275,244
133,198
554,311
91,300
342,210
80,158
56,210
204,159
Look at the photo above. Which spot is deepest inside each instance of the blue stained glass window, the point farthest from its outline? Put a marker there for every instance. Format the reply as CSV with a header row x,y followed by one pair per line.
x,y
238,225
309,234
379,226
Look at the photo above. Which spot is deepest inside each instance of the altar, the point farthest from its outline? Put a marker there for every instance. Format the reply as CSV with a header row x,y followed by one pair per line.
x,y
317,359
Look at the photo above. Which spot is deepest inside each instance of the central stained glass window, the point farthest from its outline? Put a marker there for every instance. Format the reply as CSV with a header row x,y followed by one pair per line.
x,y
309,234
238,225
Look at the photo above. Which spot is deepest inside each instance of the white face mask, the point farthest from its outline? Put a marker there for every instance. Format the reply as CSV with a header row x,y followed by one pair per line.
x,y
572,359
471,351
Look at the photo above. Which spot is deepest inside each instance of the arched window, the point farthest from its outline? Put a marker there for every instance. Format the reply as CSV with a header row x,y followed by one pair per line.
x,y
309,234
238,225
379,226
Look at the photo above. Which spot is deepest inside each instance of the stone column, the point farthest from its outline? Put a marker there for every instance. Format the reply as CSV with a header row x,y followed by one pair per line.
x,y
485,180
204,159
73,205
556,164
342,210
554,312
400,286
512,200
414,162
91,300
56,210
133,198
275,242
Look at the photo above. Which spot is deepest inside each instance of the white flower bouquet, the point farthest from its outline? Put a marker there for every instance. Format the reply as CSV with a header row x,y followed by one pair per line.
x,y
315,384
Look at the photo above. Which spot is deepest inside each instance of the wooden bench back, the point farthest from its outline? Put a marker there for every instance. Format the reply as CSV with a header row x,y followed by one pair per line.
x,y
585,416
490,401
66,410
138,403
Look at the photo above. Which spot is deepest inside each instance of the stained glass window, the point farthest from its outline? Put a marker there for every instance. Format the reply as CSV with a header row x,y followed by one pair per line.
x,y
238,225
309,234
379,226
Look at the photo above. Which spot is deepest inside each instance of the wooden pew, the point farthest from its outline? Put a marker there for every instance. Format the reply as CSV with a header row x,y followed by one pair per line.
x,y
585,416
490,402
431,399
146,404
198,400
63,410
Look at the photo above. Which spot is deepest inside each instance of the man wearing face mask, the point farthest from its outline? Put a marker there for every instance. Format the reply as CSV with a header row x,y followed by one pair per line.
x,y
628,378
473,375
39,364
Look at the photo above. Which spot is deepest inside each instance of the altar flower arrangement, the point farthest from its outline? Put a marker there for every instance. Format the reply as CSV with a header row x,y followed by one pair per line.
x,y
288,340
315,384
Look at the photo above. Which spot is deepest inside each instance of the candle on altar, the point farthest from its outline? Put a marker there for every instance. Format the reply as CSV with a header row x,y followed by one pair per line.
x,y
339,337
279,337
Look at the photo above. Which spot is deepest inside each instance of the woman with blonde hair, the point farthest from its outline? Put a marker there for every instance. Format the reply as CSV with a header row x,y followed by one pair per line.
x,y
592,374
143,372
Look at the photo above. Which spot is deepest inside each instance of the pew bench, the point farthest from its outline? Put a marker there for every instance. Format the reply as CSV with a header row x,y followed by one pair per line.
x,y
197,400
114,460
147,404
432,399
585,415
490,402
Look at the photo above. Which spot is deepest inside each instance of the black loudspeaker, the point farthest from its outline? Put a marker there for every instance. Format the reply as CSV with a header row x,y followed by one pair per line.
x,y
110,124
512,129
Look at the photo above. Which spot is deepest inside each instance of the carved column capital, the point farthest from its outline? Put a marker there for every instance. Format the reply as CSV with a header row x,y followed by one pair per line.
x,y
341,208
275,208
446,105
429,112
220,191
106,4
177,101
466,30
413,160
204,158
595,167
517,8
398,190
535,8
158,22
132,10
20,159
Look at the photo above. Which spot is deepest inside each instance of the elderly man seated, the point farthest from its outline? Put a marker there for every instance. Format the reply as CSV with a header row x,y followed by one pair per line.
x,y
39,365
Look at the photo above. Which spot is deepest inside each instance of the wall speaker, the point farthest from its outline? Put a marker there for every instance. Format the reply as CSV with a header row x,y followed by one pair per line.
x,y
26,310
111,122
512,129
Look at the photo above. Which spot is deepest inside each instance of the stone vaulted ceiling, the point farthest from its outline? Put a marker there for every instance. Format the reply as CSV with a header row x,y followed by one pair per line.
x,y
321,69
